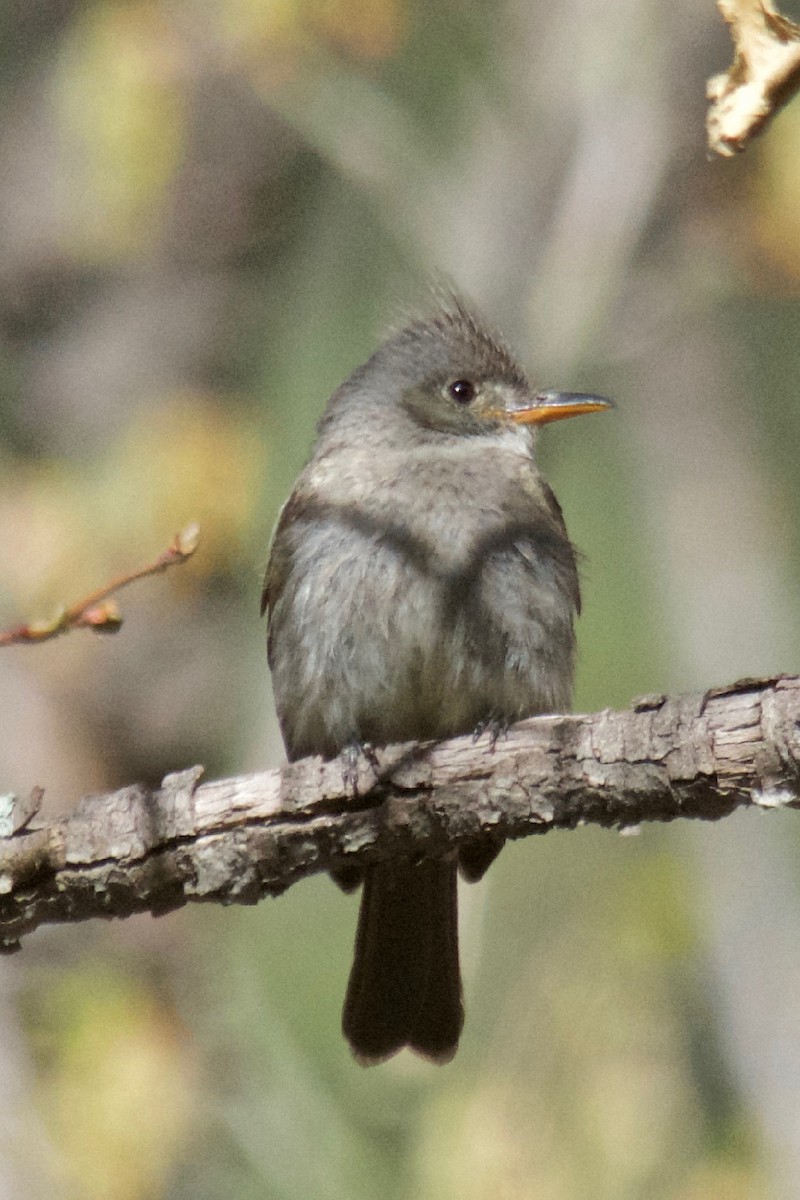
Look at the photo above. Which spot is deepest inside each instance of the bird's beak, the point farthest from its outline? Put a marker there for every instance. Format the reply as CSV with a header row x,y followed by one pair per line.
x,y
553,406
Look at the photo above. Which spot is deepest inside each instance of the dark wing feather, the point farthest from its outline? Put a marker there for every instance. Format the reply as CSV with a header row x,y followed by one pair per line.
x,y
280,560
564,553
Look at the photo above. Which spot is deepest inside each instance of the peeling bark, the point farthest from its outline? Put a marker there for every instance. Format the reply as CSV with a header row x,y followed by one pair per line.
x,y
764,76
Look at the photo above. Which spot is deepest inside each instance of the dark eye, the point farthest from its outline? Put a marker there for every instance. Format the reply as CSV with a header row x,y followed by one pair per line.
x,y
462,390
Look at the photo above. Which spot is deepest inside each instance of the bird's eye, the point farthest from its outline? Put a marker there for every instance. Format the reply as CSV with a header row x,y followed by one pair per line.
x,y
462,391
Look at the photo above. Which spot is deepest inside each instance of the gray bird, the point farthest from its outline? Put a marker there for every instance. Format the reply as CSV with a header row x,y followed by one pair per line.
x,y
421,585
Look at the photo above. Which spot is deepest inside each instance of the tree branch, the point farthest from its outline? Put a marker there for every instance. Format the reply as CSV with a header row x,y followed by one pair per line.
x,y
764,76
235,840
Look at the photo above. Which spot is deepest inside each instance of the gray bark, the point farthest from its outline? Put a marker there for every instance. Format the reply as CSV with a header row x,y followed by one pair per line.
x,y
233,841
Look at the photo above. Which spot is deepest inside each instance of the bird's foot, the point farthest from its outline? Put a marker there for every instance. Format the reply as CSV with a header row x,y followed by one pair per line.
x,y
496,727
475,858
352,754
347,878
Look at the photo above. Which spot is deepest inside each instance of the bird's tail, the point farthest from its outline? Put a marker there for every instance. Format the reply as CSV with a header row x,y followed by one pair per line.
x,y
405,985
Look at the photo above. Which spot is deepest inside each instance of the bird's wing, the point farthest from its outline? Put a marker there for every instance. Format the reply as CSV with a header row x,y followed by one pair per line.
x,y
280,560
567,557
541,530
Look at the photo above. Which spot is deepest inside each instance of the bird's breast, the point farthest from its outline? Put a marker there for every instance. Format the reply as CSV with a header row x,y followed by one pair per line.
x,y
410,612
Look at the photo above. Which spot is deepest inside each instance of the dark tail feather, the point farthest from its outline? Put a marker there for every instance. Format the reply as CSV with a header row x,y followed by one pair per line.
x,y
441,1014
405,985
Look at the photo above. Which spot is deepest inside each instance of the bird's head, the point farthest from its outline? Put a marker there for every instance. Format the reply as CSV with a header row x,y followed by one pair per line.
x,y
449,374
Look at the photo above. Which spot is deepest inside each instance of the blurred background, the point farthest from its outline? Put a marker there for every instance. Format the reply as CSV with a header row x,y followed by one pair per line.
x,y
208,213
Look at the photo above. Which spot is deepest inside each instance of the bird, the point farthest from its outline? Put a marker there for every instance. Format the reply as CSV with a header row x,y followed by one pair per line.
x,y
421,585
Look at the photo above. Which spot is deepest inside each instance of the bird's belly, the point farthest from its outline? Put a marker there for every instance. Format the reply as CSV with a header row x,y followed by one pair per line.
x,y
386,651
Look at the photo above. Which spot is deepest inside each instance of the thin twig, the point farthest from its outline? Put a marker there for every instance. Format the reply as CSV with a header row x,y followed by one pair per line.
x,y
97,611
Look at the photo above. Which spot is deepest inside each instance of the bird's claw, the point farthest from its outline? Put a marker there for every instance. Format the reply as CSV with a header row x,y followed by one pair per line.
x,y
496,728
351,757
